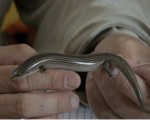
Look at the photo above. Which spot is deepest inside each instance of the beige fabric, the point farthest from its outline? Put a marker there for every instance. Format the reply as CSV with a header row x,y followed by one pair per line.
x,y
70,25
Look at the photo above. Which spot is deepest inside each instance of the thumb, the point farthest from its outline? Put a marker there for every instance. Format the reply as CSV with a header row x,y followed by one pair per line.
x,y
144,72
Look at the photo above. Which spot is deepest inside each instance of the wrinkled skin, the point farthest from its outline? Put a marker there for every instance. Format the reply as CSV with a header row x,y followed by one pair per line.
x,y
115,98
26,97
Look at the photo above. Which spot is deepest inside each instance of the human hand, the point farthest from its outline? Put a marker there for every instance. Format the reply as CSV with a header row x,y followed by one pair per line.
x,y
116,98
25,97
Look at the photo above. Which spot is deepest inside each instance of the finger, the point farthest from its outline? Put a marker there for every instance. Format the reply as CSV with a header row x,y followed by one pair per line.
x,y
32,105
116,99
15,54
97,102
125,86
53,79
144,72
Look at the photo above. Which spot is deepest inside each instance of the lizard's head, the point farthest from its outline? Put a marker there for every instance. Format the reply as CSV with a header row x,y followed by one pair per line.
x,y
24,70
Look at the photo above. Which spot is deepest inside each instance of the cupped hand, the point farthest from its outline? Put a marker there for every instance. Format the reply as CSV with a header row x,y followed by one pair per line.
x,y
25,97
115,98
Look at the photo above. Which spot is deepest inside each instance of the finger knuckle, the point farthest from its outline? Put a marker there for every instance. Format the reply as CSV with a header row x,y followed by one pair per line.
x,y
50,77
59,104
24,106
21,84
64,104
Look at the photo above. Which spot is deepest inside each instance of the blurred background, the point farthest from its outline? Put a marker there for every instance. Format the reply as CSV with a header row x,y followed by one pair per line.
x,y
14,31
11,17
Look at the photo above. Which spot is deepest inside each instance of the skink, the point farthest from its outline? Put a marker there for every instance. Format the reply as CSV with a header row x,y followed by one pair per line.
x,y
78,63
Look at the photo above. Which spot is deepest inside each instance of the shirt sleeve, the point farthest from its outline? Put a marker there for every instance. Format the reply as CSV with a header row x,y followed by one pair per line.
x,y
108,32
71,26
67,26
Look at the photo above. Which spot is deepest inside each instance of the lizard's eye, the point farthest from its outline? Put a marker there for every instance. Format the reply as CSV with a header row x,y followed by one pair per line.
x,y
18,74
15,75
42,68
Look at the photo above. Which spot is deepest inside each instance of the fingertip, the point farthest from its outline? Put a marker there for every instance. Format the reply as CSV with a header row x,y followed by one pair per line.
x,y
74,101
73,81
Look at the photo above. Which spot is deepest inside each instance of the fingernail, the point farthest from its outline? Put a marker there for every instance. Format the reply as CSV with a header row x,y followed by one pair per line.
x,y
115,71
72,82
74,101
